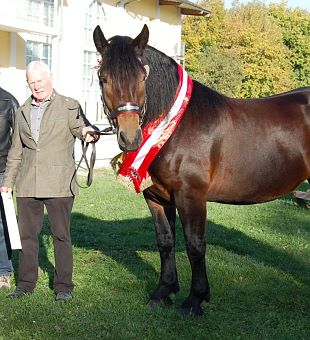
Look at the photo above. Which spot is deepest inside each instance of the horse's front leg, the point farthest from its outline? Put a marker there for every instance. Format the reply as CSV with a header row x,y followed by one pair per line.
x,y
164,219
192,212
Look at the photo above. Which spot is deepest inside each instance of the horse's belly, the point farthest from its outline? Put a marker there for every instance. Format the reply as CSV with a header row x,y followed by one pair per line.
x,y
253,185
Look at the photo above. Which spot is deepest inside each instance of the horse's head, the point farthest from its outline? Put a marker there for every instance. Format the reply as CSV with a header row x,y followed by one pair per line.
x,y
122,76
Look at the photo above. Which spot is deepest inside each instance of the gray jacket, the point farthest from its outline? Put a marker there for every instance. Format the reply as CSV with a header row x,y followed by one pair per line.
x,y
45,168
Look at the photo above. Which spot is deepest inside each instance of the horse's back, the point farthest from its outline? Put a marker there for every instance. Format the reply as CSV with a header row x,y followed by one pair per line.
x,y
284,104
301,93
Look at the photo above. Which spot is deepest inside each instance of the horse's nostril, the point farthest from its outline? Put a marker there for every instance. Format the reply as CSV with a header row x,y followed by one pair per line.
x,y
122,138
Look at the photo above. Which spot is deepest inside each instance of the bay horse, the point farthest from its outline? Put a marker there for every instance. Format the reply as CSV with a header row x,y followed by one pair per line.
x,y
235,151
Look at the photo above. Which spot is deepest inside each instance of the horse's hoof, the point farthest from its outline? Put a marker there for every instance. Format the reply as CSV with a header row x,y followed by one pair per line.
x,y
167,301
191,309
153,304
191,312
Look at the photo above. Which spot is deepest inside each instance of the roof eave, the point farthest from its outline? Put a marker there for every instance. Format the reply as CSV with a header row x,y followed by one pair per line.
x,y
187,7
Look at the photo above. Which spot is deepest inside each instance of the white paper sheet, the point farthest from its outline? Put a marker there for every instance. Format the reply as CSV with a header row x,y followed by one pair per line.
x,y
11,220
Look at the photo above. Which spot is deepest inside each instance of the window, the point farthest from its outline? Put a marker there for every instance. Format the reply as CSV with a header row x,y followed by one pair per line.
x,y
91,89
38,51
41,11
94,16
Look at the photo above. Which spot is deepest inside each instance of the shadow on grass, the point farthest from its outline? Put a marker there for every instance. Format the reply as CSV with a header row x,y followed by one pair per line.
x,y
122,241
241,244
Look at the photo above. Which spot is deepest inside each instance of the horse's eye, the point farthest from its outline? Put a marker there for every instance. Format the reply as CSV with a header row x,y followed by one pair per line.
x,y
102,81
143,78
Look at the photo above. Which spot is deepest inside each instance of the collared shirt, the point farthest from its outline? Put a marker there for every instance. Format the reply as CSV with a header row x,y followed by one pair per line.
x,y
36,114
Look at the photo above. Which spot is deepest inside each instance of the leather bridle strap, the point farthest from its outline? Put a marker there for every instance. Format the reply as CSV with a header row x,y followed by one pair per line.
x,y
124,108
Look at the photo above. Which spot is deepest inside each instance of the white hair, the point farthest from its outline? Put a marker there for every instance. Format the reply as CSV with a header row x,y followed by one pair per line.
x,y
38,66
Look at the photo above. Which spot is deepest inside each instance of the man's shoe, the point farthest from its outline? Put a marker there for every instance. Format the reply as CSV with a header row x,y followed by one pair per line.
x,y
5,281
18,292
63,296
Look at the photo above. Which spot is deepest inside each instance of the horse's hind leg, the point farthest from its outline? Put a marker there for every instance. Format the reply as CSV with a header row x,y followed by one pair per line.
x,y
164,219
193,217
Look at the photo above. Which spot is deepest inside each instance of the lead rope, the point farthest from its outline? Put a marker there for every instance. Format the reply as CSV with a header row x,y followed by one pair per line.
x,y
91,163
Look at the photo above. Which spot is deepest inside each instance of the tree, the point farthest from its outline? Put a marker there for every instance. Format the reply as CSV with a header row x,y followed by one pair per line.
x,y
205,62
198,33
268,45
220,70
295,27
255,36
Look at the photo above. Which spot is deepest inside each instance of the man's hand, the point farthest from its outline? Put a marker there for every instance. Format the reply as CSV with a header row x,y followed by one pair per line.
x,y
89,134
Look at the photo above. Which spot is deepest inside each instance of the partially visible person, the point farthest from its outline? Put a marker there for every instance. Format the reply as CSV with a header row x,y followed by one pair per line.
x,y
8,107
302,198
41,166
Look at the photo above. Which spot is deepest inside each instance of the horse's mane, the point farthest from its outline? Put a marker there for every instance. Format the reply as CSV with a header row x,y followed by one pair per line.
x,y
161,83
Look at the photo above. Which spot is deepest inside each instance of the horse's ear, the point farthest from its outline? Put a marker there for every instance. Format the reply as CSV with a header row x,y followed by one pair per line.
x,y
100,41
140,42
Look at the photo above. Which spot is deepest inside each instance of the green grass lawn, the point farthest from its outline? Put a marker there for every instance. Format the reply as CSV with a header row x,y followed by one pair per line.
x,y
258,260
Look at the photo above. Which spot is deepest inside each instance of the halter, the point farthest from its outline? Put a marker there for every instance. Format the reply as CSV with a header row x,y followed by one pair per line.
x,y
122,108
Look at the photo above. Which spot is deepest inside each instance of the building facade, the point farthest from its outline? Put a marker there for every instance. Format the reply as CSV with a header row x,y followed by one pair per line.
x,y
60,33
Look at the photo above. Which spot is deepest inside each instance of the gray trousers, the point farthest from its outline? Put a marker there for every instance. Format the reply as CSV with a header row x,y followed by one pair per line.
x,y
30,221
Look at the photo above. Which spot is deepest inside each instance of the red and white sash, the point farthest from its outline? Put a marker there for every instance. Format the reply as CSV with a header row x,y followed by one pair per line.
x,y
133,171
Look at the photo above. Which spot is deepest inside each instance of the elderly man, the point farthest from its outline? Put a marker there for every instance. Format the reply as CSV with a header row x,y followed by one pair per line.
x,y
41,166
